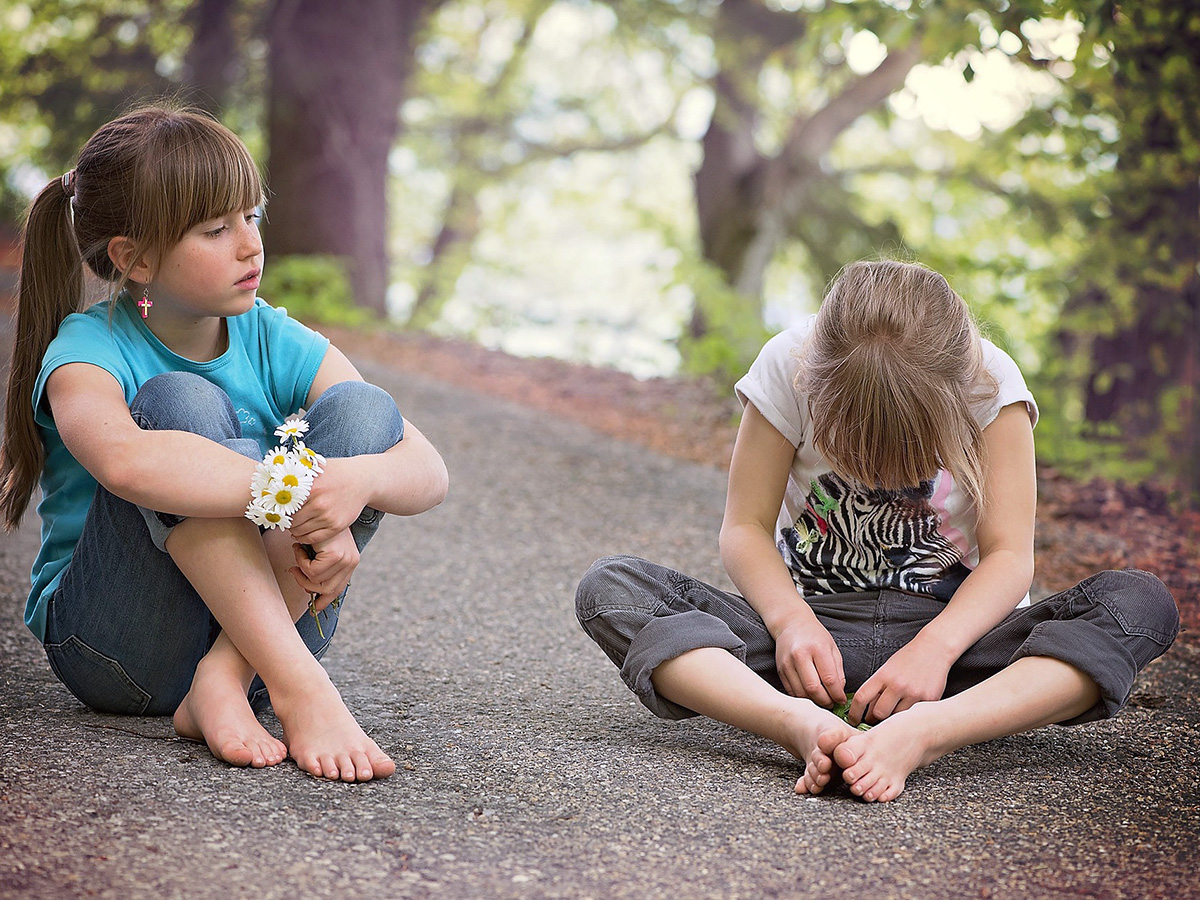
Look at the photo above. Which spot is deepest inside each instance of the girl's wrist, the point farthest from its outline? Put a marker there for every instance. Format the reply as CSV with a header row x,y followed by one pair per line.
x,y
936,647
788,613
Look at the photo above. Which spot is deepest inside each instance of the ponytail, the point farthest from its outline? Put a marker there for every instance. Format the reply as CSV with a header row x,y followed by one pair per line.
x,y
50,288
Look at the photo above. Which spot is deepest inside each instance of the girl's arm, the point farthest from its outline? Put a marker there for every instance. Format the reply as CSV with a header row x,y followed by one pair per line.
x,y
1005,535
407,479
170,471
807,658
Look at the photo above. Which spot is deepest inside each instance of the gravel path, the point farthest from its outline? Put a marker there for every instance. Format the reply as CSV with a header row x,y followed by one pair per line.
x,y
526,770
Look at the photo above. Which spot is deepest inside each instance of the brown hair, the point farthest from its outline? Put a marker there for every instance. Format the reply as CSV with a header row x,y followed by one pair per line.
x,y
150,176
892,369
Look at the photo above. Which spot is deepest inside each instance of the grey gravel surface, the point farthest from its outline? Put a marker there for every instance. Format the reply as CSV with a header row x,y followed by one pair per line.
x,y
526,769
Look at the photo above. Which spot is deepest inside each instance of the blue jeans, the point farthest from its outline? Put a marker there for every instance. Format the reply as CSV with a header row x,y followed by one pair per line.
x,y
1109,626
125,629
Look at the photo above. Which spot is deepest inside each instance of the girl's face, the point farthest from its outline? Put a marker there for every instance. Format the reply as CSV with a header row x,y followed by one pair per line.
x,y
213,271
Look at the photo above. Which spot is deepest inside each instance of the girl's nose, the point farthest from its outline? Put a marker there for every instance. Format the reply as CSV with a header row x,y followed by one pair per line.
x,y
251,239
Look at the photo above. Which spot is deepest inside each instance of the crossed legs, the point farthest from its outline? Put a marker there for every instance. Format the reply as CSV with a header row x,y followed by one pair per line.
x,y
687,648
1032,692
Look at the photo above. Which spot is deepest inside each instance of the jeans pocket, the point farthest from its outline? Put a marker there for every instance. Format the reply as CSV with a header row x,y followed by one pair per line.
x,y
99,682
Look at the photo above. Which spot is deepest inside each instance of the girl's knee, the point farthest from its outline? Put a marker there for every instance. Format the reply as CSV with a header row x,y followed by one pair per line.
x,y
352,418
611,583
184,401
1142,603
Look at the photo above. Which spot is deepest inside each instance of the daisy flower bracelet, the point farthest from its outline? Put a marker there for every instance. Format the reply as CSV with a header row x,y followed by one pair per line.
x,y
283,480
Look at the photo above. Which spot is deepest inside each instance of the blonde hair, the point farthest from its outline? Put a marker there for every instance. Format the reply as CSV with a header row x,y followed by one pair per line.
x,y
892,368
150,176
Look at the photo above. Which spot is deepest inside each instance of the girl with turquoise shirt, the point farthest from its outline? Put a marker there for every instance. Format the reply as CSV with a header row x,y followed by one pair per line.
x,y
198,536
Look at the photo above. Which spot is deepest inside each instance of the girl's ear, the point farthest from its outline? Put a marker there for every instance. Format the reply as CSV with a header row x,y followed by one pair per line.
x,y
122,251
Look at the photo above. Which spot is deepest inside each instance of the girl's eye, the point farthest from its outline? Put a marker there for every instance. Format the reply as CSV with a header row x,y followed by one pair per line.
x,y
215,232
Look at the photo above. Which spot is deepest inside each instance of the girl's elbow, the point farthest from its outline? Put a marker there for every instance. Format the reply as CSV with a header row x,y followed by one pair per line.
x,y
120,475
728,543
433,486
439,484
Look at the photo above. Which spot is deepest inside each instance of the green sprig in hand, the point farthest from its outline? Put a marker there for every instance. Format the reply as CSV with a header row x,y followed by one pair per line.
x,y
842,711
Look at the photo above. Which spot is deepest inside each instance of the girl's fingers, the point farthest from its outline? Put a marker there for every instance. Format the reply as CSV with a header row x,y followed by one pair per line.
x,y
862,701
331,585
814,689
833,683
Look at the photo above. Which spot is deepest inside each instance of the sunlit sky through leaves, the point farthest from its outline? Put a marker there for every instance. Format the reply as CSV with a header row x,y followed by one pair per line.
x,y
580,258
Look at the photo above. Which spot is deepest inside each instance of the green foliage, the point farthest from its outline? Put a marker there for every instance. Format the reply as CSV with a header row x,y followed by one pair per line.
x,y
69,66
735,334
1066,226
313,288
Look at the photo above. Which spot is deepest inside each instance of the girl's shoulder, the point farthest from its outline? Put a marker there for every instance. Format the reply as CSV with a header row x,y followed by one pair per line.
x,y
1010,386
91,330
266,323
771,383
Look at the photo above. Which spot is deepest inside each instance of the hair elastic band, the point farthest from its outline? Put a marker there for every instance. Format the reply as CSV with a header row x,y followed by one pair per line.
x,y
68,183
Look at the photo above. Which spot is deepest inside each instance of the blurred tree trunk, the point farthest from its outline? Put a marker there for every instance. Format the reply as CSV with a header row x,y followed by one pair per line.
x,y
338,74
748,203
1143,277
449,254
214,55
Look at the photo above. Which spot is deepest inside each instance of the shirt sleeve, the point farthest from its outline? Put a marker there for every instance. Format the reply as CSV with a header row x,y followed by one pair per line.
x,y
293,354
81,339
771,386
1010,383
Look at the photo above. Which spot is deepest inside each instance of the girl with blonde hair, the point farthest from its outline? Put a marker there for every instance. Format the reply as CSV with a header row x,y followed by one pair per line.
x,y
879,530
198,535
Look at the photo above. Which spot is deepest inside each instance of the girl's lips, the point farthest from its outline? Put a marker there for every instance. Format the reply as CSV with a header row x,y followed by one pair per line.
x,y
250,282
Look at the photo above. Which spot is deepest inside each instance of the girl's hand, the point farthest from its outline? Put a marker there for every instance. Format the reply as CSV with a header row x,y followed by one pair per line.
x,y
329,571
912,675
809,662
336,501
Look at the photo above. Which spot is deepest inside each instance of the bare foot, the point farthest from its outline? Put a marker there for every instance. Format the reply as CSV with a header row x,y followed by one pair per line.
x,y
216,711
877,763
812,734
325,740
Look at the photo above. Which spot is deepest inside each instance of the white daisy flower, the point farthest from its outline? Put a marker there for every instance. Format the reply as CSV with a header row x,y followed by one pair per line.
x,y
276,457
293,473
259,481
283,498
310,459
293,428
267,517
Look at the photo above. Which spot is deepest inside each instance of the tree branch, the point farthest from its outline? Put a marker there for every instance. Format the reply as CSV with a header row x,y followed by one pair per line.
x,y
811,137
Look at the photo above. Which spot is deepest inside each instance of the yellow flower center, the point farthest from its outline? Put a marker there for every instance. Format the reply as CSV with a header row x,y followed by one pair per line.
x,y
274,517
291,480
283,498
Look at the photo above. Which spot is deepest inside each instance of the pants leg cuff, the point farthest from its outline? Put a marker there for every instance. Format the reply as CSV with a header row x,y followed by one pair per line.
x,y
665,638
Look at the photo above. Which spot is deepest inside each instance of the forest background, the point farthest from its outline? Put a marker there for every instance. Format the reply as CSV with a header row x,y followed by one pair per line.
x,y
658,185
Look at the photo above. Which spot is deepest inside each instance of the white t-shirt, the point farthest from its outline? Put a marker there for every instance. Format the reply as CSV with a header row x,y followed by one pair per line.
x,y
837,536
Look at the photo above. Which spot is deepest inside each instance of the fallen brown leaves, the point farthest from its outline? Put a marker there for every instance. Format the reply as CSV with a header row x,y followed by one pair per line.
x,y
1082,527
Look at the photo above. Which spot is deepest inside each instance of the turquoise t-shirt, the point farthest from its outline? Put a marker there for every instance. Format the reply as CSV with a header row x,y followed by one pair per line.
x,y
267,372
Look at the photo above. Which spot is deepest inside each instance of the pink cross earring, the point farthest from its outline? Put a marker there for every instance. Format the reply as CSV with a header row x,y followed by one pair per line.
x,y
145,303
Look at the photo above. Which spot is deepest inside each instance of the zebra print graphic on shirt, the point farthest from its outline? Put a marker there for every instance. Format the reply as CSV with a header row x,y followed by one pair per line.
x,y
853,538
